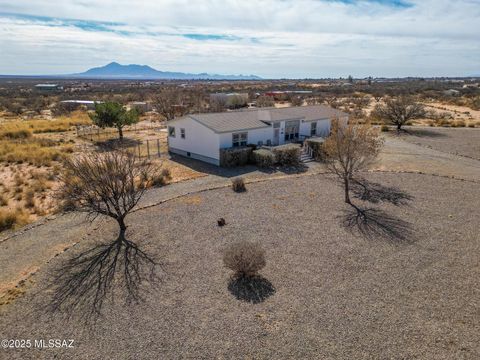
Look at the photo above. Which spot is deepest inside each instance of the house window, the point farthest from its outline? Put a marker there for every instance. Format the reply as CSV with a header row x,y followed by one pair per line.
x,y
182,133
239,139
171,131
313,128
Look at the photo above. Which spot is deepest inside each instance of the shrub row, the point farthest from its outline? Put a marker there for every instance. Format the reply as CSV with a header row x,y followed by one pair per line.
x,y
235,156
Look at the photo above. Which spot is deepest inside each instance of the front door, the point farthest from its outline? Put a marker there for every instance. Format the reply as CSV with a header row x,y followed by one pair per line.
x,y
292,130
276,137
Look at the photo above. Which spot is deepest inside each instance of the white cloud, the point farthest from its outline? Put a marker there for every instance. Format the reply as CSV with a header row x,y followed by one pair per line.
x,y
271,38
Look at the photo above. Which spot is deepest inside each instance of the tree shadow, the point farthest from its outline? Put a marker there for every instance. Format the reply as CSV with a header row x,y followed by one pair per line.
x,y
377,193
376,223
254,289
424,133
84,282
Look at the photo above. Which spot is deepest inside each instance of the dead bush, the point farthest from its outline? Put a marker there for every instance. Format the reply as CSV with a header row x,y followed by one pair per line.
x,y
162,178
30,199
11,219
245,258
3,200
238,184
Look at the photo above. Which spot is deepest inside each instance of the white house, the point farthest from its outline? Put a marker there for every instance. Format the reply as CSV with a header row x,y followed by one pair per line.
x,y
201,136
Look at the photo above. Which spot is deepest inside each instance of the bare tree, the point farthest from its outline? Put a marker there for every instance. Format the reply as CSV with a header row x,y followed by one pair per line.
x,y
398,111
265,101
169,103
107,184
349,149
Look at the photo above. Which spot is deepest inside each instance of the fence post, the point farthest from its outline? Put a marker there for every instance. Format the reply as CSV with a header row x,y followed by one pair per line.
x,y
158,147
148,149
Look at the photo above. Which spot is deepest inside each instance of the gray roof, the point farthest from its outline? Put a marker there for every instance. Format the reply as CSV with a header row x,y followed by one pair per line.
x,y
263,117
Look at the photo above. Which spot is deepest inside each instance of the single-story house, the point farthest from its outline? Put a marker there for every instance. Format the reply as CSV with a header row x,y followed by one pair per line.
x,y
201,136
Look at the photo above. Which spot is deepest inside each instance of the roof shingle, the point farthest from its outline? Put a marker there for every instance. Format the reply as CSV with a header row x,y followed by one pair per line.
x,y
261,118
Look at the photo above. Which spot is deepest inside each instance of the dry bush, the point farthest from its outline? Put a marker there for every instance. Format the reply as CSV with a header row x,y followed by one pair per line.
x,y
264,158
30,199
287,155
238,184
38,152
384,128
235,156
245,258
161,178
3,200
45,126
15,134
11,219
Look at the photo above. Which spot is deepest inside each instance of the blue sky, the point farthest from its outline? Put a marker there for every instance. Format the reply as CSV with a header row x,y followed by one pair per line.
x,y
269,38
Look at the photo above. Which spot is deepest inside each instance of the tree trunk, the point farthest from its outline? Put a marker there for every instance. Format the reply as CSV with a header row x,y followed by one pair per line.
x,y
120,133
123,229
347,190
399,126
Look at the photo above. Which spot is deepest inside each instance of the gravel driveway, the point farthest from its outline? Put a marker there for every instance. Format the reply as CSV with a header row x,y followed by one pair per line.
x,y
338,294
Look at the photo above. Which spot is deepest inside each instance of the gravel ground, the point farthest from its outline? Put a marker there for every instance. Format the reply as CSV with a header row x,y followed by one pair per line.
x,y
458,141
338,295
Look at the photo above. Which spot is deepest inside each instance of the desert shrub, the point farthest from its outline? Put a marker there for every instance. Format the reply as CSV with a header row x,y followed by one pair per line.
x,y
264,158
38,152
3,200
166,173
15,134
459,123
238,184
287,155
444,123
384,128
10,219
235,156
244,258
162,178
471,125
318,151
7,220
30,199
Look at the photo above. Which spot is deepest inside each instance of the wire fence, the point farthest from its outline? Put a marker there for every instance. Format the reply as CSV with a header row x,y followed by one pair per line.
x,y
95,133
140,144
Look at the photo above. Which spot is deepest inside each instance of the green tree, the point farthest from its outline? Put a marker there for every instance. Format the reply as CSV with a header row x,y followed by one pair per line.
x,y
112,114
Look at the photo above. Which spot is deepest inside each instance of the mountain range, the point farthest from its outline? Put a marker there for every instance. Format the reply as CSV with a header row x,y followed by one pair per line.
x,y
115,70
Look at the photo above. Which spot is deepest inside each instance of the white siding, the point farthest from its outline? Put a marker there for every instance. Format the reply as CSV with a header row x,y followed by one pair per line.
x,y
253,137
201,142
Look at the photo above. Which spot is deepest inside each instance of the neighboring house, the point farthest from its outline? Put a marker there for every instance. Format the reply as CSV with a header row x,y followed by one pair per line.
x,y
201,136
90,105
48,87
452,92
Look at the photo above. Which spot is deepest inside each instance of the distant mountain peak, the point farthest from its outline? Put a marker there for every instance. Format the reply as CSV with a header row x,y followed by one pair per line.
x,y
115,70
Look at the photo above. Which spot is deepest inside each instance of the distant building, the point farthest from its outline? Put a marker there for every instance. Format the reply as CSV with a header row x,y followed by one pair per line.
x,y
90,105
451,92
48,87
140,106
